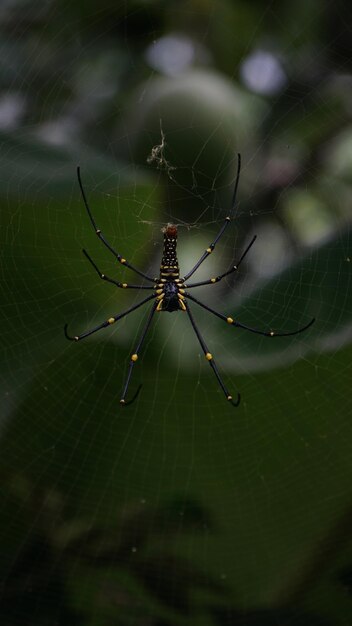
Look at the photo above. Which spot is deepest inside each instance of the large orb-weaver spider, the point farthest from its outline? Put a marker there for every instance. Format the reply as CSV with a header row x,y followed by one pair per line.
x,y
169,291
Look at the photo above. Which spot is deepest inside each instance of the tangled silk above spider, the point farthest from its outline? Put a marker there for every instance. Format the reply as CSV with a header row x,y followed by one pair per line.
x,y
170,292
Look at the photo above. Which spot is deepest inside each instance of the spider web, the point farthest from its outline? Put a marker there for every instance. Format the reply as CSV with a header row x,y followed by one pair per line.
x,y
179,509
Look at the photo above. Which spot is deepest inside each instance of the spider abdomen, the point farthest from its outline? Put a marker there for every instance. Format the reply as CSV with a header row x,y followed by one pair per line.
x,y
170,294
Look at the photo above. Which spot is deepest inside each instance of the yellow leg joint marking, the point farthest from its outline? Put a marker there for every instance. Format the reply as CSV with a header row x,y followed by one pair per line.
x,y
229,397
213,280
182,305
122,260
111,320
159,307
208,356
180,296
159,291
209,250
124,285
271,333
134,357
229,320
122,402
181,291
76,338
228,218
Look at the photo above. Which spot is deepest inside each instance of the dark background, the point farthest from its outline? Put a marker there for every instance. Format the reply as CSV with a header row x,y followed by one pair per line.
x,y
179,509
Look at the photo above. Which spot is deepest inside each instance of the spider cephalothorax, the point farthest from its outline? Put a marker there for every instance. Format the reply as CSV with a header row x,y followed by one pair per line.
x,y
170,292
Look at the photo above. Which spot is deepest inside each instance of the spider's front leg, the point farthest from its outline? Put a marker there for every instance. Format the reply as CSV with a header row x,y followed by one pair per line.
x,y
134,358
210,359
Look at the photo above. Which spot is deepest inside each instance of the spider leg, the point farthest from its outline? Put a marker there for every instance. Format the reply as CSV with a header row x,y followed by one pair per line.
x,y
229,320
108,322
211,247
111,280
230,271
101,236
134,358
211,361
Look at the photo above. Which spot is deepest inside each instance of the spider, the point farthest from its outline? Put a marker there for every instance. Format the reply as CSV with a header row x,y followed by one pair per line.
x,y
169,292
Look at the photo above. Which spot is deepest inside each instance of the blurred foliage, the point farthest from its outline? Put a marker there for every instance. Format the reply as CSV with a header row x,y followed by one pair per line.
x,y
180,510
89,566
